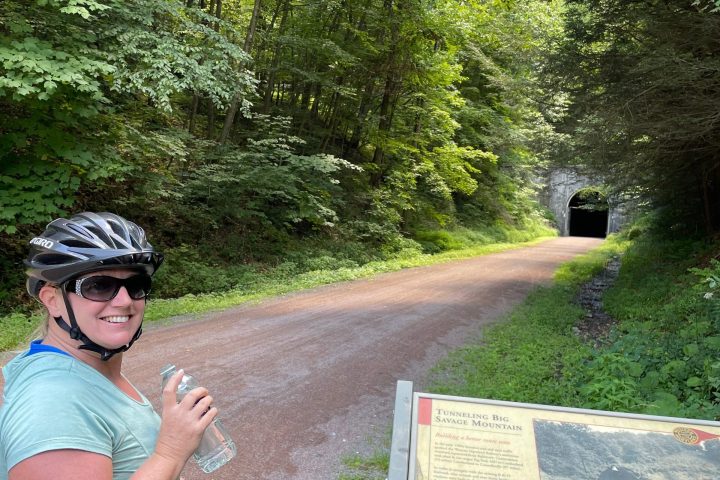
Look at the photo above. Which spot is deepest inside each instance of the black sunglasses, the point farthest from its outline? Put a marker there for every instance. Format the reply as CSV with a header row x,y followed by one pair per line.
x,y
102,288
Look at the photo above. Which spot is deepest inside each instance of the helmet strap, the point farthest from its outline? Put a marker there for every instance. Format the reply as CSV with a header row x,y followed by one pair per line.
x,y
76,334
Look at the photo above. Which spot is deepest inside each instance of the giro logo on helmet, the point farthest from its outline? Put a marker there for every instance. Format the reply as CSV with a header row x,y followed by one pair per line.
x,y
43,242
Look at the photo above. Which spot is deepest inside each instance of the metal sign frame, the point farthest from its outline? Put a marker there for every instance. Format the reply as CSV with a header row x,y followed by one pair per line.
x,y
404,445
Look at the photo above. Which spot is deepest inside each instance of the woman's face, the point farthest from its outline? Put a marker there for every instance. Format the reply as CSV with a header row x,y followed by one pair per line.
x,y
110,323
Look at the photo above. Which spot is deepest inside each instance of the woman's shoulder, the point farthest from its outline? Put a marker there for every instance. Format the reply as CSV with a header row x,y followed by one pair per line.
x,y
43,370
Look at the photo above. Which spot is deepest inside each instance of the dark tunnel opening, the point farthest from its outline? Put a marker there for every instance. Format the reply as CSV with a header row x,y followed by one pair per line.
x,y
588,211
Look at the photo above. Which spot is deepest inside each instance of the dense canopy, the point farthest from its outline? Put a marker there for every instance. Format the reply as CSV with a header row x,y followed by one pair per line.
x,y
361,122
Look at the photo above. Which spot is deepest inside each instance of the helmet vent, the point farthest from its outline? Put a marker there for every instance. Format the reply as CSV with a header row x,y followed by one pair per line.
x,y
77,229
117,229
96,231
74,243
50,259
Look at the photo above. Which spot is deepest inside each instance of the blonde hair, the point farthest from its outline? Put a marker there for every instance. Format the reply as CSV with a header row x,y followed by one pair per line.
x,y
41,330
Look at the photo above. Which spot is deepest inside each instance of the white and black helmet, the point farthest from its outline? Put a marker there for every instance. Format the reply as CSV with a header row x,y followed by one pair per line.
x,y
85,243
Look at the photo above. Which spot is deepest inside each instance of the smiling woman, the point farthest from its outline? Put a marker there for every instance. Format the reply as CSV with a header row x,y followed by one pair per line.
x,y
92,273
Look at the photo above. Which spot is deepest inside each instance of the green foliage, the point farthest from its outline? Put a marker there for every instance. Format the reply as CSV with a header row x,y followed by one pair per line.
x,y
437,241
161,48
372,467
187,272
640,99
266,183
68,67
663,359
711,6
16,329
592,263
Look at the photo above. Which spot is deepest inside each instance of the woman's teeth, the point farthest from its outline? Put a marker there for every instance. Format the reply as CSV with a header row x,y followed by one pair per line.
x,y
117,319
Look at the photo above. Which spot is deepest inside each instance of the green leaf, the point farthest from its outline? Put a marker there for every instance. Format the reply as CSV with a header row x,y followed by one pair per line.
x,y
694,382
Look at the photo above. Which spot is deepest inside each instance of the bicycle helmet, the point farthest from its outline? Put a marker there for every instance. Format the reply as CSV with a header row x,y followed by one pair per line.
x,y
86,243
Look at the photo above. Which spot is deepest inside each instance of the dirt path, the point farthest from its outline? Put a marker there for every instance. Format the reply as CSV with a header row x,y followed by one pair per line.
x,y
303,380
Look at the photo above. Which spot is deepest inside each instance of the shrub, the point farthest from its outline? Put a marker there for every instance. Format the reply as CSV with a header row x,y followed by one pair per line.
x,y
436,241
184,272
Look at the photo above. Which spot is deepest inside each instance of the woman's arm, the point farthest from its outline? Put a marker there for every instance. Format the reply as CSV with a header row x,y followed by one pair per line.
x,y
63,464
181,429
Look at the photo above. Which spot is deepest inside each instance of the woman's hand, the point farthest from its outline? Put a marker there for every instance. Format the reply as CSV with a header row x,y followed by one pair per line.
x,y
183,423
181,429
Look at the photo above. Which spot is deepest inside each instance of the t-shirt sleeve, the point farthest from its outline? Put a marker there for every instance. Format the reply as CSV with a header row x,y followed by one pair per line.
x,y
52,414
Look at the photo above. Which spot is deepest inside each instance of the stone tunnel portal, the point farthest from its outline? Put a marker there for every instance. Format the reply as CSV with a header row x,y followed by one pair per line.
x,y
579,205
588,214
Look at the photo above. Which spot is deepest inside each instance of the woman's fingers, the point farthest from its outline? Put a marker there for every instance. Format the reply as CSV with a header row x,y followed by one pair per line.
x,y
169,393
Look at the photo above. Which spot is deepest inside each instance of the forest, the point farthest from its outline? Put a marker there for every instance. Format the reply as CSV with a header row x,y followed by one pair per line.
x,y
247,134
293,136
230,124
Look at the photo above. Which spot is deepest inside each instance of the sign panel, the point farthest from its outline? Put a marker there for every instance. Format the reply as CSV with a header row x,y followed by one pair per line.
x,y
457,438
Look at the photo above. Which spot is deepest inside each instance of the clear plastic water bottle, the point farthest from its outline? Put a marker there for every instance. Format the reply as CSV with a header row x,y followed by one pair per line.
x,y
216,447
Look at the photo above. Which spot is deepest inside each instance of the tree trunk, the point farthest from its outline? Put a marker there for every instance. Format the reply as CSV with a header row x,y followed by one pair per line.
x,y
250,37
316,100
386,106
233,108
711,204
270,84
383,126
193,113
363,110
211,120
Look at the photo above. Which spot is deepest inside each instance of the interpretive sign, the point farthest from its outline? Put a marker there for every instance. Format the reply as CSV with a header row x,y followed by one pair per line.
x,y
459,438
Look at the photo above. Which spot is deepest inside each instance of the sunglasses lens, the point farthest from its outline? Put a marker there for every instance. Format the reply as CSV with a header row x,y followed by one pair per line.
x,y
102,288
99,288
138,286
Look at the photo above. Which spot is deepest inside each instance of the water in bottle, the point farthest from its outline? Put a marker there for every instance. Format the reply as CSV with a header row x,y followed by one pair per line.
x,y
216,447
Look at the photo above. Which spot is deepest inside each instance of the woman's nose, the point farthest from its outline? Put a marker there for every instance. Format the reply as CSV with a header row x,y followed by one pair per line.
x,y
122,297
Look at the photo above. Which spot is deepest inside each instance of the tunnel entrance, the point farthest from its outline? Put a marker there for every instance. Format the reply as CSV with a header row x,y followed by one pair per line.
x,y
588,214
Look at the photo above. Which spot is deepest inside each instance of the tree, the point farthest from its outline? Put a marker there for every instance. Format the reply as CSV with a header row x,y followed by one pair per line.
x,y
77,75
644,81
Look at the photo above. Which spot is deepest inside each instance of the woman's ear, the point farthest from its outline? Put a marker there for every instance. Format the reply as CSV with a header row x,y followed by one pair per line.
x,y
51,297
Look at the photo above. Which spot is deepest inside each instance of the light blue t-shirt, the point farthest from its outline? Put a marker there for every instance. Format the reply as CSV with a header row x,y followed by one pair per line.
x,y
53,401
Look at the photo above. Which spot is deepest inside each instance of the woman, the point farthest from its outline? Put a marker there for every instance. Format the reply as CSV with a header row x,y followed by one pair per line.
x,y
68,411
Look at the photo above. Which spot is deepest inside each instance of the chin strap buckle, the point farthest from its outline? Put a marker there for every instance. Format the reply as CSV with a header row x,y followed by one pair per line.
x,y
75,333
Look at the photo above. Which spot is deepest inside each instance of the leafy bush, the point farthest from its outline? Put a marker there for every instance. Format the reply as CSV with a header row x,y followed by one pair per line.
x,y
327,262
184,272
266,184
663,358
438,241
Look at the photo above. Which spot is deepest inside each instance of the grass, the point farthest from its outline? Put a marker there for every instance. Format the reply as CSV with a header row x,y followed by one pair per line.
x,y
664,357
522,357
372,467
17,328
